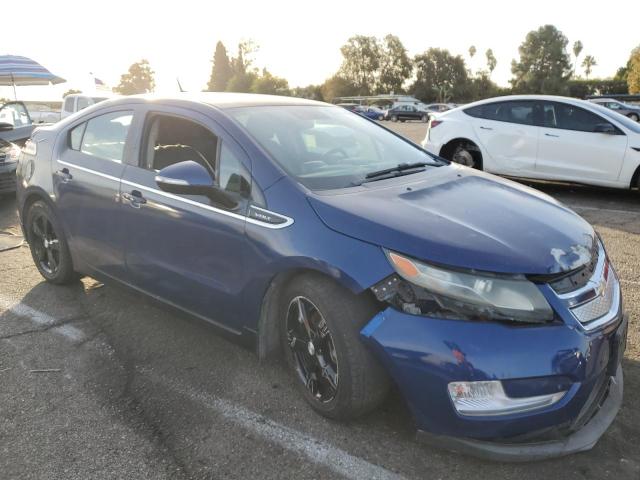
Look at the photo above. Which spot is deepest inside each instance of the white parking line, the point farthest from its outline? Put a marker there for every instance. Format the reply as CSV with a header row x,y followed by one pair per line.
x,y
315,450
40,318
612,210
318,452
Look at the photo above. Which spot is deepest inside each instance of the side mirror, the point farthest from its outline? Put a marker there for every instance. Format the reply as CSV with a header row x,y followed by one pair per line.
x,y
5,127
191,178
605,128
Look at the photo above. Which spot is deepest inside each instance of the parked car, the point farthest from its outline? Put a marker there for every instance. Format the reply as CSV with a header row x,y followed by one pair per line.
x,y
438,107
406,112
631,111
349,106
16,124
76,101
295,225
541,137
9,153
370,112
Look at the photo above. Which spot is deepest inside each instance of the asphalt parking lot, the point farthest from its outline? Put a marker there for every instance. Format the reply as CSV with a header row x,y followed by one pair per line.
x,y
96,382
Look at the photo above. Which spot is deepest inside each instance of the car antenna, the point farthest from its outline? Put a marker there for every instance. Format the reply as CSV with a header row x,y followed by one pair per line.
x,y
182,90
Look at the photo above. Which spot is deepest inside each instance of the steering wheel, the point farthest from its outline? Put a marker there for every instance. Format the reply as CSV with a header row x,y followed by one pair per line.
x,y
335,151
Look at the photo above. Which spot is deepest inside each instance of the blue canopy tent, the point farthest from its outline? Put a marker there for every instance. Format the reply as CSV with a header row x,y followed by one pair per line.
x,y
19,71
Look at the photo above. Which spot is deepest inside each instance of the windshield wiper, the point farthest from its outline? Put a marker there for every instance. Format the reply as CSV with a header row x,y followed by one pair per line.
x,y
398,170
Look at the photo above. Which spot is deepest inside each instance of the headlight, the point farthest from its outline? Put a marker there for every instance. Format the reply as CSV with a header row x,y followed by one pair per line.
x,y
476,295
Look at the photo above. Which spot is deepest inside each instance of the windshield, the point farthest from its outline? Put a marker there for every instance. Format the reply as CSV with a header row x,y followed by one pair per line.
x,y
618,117
326,147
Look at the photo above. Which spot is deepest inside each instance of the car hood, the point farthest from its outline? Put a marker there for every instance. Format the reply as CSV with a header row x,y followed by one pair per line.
x,y
462,218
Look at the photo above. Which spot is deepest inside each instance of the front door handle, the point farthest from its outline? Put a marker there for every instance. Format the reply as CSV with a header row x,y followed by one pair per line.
x,y
135,198
486,128
64,175
551,135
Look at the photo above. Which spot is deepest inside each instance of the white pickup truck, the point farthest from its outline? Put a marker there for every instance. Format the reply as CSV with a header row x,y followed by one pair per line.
x,y
76,101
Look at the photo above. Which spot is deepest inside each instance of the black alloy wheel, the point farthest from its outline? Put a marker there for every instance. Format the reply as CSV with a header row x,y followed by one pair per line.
x,y
313,348
45,244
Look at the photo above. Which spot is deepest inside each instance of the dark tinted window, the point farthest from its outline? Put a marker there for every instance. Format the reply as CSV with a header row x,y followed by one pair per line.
x,y
521,112
105,136
173,139
570,117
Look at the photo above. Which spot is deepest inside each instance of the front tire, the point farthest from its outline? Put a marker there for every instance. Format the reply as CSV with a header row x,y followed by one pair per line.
x,y
320,335
634,117
394,118
48,245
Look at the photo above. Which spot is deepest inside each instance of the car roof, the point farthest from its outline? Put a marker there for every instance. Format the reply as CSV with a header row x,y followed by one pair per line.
x,y
222,100
506,98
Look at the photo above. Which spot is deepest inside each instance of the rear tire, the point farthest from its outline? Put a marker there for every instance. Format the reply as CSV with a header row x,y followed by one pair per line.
x,y
425,118
48,245
334,317
634,117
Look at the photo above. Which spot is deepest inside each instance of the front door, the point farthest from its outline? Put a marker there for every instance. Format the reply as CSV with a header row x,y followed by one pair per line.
x,y
186,249
571,150
87,167
508,135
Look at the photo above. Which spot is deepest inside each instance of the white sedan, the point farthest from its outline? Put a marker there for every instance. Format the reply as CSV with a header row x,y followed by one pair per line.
x,y
540,137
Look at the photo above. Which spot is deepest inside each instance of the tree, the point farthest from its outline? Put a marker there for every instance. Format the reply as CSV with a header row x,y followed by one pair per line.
x,y
361,62
544,65
395,66
337,86
472,51
588,63
270,84
139,79
221,71
633,74
439,75
491,61
243,76
71,91
312,92
577,49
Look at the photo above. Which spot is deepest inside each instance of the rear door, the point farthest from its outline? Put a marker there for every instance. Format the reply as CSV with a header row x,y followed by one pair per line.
x,y
87,167
508,134
571,150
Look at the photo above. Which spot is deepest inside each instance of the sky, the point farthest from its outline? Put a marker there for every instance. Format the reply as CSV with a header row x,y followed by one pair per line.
x,y
299,40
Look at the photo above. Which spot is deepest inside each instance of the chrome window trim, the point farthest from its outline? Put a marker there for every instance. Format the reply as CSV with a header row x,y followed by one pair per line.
x,y
288,220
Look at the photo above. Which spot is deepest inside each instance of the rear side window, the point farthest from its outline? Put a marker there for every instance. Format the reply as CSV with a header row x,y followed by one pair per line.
x,y
103,136
83,102
570,117
521,112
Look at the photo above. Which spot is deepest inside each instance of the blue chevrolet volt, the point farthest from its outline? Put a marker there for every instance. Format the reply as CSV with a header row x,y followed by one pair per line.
x,y
300,227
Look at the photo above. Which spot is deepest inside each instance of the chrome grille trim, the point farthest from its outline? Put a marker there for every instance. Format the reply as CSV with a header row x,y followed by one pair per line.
x,y
598,302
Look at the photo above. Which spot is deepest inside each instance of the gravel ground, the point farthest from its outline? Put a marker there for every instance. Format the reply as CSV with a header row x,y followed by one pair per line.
x,y
96,382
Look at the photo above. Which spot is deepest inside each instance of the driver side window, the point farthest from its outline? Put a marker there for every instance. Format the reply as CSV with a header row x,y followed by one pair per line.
x,y
171,139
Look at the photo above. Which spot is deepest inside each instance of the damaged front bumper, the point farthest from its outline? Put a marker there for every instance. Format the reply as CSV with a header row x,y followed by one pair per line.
x,y
425,354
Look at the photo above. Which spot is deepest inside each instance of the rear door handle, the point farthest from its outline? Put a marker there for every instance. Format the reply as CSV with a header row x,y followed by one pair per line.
x,y
135,198
552,135
64,175
486,128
